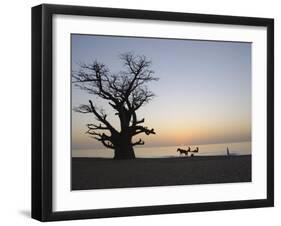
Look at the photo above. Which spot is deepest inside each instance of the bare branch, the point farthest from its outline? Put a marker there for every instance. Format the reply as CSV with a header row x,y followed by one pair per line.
x,y
140,121
101,118
97,127
141,129
108,144
105,139
139,142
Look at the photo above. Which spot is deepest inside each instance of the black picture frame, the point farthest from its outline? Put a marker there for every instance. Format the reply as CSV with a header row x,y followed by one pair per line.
x,y
42,197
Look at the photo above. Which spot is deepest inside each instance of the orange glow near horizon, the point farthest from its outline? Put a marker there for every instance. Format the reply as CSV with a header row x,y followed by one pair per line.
x,y
183,133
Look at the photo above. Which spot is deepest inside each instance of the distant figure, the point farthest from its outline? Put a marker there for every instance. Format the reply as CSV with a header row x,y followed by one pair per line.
x,y
192,155
227,152
188,150
182,151
196,150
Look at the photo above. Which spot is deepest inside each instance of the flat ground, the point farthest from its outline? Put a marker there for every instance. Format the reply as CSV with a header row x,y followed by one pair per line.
x,y
97,173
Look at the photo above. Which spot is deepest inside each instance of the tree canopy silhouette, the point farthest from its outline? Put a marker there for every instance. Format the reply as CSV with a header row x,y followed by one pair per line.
x,y
125,92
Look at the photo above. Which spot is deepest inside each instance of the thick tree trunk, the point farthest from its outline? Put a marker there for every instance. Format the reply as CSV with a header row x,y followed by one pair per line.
x,y
124,149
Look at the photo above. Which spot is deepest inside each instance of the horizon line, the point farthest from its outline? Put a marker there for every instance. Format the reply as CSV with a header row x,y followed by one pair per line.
x,y
170,145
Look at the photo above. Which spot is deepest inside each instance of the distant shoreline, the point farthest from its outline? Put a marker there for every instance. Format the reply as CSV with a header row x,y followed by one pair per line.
x,y
101,173
172,145
241,148
170,157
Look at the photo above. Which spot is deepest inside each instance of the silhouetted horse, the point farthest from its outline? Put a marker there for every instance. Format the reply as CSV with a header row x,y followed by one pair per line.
x,y
182,151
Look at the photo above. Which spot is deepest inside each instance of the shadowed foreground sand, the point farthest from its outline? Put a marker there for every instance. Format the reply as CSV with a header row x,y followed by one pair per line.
x,y
96,173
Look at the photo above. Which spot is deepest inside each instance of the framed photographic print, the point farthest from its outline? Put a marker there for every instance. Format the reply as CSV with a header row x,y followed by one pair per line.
x,y
146,112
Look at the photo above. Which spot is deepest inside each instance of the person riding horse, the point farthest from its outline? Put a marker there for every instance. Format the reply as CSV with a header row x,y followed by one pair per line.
x,y
185,152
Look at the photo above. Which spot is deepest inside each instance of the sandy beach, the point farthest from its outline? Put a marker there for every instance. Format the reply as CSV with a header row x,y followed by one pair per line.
x,y
98,173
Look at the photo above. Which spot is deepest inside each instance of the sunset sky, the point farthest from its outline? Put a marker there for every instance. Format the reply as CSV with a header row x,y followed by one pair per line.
x,y
203,94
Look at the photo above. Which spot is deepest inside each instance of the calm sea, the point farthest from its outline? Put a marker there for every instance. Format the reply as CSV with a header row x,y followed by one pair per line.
x,y
241,148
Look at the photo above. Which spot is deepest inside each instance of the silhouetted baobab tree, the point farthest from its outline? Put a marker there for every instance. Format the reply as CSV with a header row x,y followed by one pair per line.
x,y
125,92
